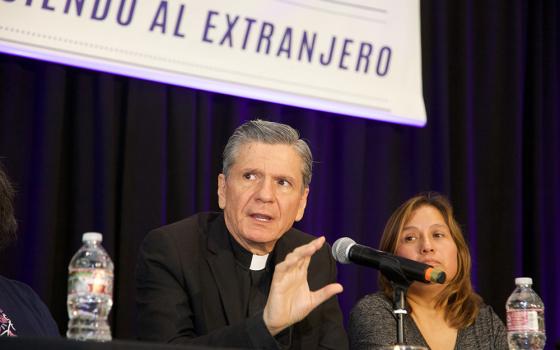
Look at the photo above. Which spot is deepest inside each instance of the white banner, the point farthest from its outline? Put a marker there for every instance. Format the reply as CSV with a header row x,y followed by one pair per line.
x,y
353,57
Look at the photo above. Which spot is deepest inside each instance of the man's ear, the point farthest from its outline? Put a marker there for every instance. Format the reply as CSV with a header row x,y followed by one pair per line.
x,y
302,204
222,191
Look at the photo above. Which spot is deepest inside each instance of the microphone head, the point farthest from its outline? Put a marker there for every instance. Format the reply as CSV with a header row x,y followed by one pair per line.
x,y
435,275
341,248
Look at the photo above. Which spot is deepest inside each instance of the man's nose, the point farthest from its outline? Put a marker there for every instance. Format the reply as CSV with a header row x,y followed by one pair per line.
x,y
265,191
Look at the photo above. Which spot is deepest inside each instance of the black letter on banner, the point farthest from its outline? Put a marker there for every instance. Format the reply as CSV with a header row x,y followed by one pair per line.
x,y
79,6
286,43
250,22
178,23
344,53
230,25
305,45
46,5
94,14
162,10
208,26
130,13
322,55
364,55
266,36
387,61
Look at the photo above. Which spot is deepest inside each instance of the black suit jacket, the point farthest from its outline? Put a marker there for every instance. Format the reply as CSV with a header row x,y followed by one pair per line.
x,y
187,292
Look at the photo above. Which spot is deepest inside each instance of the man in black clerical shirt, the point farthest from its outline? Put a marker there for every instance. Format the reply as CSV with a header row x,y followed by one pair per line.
x,y
245,278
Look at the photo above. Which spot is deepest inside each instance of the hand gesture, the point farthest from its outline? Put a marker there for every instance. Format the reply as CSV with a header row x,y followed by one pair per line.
x,y
290,299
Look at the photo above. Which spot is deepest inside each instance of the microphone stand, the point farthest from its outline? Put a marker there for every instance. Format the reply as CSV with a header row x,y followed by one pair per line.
x,y
391,269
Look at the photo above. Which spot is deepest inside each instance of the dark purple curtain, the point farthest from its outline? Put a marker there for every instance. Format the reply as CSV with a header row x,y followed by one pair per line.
x,y
94,151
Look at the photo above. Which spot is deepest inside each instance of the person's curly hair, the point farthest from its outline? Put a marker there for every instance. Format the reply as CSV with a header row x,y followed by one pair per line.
x,y
8,223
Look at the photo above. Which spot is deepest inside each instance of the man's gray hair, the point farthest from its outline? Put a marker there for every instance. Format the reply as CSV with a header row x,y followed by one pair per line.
x,y
269,133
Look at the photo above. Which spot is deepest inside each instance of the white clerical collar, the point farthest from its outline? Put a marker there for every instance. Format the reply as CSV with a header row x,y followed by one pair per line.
x,y
258,262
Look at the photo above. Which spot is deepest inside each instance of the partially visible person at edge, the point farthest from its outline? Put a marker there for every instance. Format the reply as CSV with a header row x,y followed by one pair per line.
x,y
22,313
245,277
440,316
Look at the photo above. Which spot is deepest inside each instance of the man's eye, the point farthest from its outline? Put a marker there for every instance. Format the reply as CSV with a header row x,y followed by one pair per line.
x,y
284,182
249,176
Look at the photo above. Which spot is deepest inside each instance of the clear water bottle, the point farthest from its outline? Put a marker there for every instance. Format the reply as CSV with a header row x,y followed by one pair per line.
x,y
525,317
90,291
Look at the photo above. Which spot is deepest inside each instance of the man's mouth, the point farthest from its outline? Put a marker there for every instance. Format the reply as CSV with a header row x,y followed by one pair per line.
x,y
261,217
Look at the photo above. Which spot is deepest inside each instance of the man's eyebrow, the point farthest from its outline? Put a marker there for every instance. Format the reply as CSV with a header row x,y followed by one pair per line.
x,y
250,170
285,177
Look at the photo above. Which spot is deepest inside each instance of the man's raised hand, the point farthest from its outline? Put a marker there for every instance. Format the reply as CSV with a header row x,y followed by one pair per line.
x,y
290,299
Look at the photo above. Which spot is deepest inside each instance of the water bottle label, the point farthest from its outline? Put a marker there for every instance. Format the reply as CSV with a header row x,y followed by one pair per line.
x,y
91,281
523,320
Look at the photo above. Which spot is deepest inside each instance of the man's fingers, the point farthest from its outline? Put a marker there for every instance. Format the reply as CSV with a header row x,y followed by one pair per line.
x,y
309,248
325,293
318,242
290,299
302,254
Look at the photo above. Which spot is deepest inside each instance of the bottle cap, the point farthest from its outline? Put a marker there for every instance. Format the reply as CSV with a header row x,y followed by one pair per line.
x,y
92,236
523,280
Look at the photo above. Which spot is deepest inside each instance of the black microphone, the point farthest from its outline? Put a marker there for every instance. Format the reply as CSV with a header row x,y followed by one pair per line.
x,y
345,250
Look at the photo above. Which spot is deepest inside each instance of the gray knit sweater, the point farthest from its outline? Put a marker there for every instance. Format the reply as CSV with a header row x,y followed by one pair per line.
x,y
372,323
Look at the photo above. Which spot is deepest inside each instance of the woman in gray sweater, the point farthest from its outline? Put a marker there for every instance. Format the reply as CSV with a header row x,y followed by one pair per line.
x,y
440,316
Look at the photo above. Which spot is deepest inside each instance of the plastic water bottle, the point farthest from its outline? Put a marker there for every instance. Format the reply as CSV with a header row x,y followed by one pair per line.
x,y
90,291
525,317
